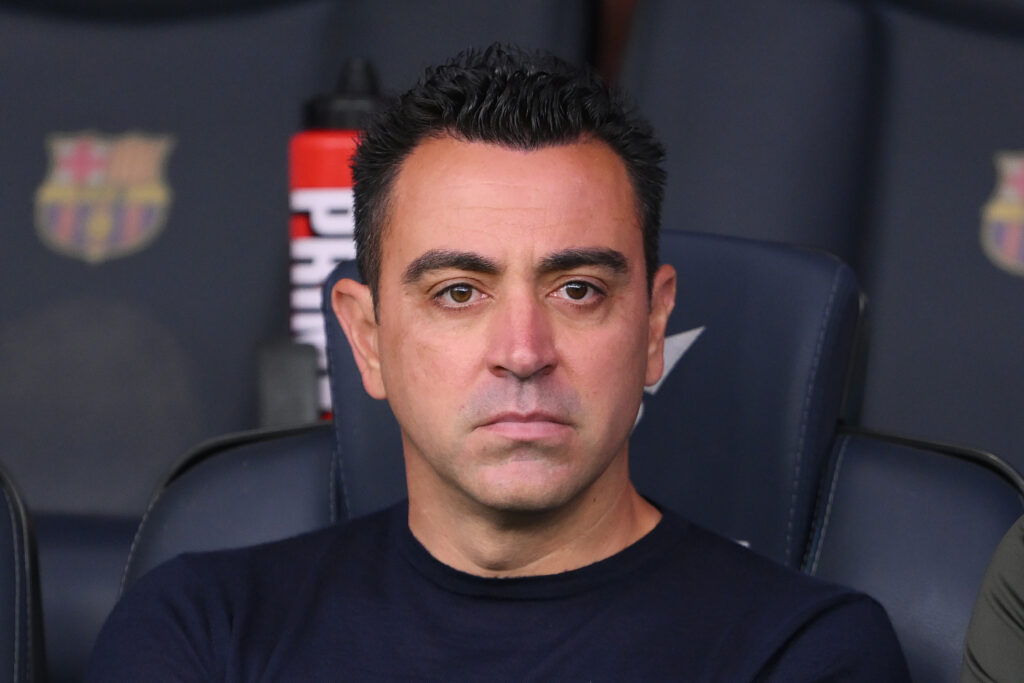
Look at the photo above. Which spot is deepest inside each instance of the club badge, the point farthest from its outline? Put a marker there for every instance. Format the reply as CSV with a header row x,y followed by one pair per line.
x,y
1002,225
105,195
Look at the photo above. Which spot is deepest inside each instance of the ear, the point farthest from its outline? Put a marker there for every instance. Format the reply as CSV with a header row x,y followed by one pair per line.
x,y
353,306
663,300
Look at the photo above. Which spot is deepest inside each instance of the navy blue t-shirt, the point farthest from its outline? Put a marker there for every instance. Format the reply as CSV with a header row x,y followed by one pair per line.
x,y
365,602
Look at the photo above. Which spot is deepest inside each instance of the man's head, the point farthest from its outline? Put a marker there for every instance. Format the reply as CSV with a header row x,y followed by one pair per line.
x,y
517,310
507,97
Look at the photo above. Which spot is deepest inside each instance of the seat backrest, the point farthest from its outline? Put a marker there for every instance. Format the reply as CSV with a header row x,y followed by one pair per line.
x,y
763,107
944,266
121,358
735,435
238,490
21,659
144,185
914,525
81,560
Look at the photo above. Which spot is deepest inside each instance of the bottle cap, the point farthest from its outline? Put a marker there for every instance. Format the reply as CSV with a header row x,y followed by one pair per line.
x,y
356,96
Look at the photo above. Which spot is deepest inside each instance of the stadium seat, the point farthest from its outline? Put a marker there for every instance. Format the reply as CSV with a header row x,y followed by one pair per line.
x,y
144,194
764,108
885,132
130,329
913,524
944,262
734,437
21,660
736,434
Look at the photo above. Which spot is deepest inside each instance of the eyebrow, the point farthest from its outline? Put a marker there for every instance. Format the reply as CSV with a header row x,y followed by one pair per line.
x,y
440,259
569,259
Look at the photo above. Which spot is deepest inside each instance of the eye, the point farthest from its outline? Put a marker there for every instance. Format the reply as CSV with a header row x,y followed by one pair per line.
x,y
579,291
456,295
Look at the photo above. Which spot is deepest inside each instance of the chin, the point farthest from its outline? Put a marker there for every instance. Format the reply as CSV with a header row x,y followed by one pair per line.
x,y
528,496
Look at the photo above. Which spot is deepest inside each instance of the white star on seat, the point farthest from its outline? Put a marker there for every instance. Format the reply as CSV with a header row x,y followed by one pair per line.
x,y
675,346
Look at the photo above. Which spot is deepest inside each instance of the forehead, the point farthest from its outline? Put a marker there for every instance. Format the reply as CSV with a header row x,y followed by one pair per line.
x,y
453,194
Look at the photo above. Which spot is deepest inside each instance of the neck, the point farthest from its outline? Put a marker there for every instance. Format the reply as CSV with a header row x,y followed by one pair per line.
x,y
472,538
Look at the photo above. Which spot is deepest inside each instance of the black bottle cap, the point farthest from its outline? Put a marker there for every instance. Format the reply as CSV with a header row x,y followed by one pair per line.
x,y
356,96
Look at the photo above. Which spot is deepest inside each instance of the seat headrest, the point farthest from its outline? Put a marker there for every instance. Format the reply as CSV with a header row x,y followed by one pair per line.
x,y
758,356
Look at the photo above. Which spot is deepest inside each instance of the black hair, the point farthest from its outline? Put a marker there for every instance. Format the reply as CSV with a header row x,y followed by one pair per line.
x,y
505,96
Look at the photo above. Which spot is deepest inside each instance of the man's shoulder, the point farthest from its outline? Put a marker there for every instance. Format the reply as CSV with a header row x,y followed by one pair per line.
x,y
301,550
732,582
236,575
188,612
734,573
768,617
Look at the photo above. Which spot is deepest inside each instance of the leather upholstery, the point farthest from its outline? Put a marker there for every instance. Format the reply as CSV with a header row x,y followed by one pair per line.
x,y
763,106
870,129
239,490
946,319
21,655
913,525
81,559
227,84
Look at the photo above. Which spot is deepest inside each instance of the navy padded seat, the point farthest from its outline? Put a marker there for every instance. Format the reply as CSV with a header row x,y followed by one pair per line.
x,y
81,559
21,659
945,280
241,489
914,525
221,88
763,106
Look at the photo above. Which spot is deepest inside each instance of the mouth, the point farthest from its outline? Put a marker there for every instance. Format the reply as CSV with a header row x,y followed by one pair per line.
x,y
532,426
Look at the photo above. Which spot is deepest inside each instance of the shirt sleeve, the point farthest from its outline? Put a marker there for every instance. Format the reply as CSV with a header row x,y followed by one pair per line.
x,y
994,645
166,628
850,642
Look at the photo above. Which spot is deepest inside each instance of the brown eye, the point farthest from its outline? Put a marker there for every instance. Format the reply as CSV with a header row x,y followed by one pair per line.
x,y
577,290
460,294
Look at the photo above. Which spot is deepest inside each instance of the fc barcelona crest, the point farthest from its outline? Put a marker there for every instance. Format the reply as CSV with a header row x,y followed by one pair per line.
x,y
1002,227
105,195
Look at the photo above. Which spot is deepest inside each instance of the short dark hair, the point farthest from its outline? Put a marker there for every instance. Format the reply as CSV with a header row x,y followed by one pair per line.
x,y
505,96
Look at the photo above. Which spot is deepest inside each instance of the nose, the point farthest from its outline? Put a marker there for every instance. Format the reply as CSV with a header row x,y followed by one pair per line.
x,y
521,339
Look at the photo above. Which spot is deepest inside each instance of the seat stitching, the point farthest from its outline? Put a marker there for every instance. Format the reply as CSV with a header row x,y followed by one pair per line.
x,y
17,585
822,330
341,473
135,540
828,506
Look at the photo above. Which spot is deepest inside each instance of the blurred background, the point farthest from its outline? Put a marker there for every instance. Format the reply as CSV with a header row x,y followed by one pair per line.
x,y
145,292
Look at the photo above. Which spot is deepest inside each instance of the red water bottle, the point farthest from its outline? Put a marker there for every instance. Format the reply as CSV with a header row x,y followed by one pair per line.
x,y
321,199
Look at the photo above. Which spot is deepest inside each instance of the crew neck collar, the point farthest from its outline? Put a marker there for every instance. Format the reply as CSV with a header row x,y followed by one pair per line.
x,y
669,530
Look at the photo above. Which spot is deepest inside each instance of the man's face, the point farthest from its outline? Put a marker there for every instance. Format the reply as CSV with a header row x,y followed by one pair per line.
x,y
514,332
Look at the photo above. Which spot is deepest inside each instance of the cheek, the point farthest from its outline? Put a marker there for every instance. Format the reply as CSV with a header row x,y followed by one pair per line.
x,y
421,363
607,360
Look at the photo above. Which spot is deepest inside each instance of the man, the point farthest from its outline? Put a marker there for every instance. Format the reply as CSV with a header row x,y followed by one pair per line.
x,y
507,214
994,644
